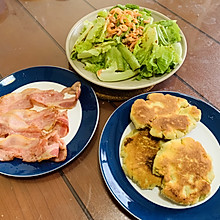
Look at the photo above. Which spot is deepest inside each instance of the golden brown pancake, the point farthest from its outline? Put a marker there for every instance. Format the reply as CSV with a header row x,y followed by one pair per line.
x,y
138,152
167,116
186,169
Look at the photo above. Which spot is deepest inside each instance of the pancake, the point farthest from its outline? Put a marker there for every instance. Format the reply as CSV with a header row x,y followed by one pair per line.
x,y
167,116
186,169
138,151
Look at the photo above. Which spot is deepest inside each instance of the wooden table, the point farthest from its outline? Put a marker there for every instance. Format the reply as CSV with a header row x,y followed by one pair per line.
x,y
33,33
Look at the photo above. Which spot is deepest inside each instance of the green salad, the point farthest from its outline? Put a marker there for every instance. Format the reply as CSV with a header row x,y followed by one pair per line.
x,y
126,42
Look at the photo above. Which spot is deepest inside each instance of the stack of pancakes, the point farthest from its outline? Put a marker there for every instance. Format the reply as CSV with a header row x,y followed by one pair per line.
x,y
156,153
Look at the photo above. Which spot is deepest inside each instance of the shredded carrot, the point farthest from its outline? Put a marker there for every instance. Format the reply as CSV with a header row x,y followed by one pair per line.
x,y
99,72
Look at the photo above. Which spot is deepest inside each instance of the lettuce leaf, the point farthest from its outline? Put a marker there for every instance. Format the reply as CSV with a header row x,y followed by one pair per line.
x,y
88,51
162,60
156,52
171,30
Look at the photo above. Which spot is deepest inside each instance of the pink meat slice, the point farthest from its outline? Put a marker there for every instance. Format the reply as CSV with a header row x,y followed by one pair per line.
x,y
47,98
32,123
36,135
30,149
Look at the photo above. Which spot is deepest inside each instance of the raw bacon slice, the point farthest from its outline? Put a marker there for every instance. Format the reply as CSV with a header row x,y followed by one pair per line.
x,y
31,123
51,98
47,98
31,149
46,120
36,135
54,138
10,124
15,101
62,124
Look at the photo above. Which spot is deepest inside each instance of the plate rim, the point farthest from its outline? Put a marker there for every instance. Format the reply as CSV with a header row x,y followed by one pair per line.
x,y
104,175
111,85
95,122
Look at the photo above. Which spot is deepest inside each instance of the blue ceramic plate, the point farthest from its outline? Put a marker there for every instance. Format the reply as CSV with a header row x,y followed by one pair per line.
x,y
83,118
139,203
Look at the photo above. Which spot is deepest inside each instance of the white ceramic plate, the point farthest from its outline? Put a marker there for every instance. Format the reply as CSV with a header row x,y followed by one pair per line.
x,y
202,134
121,85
